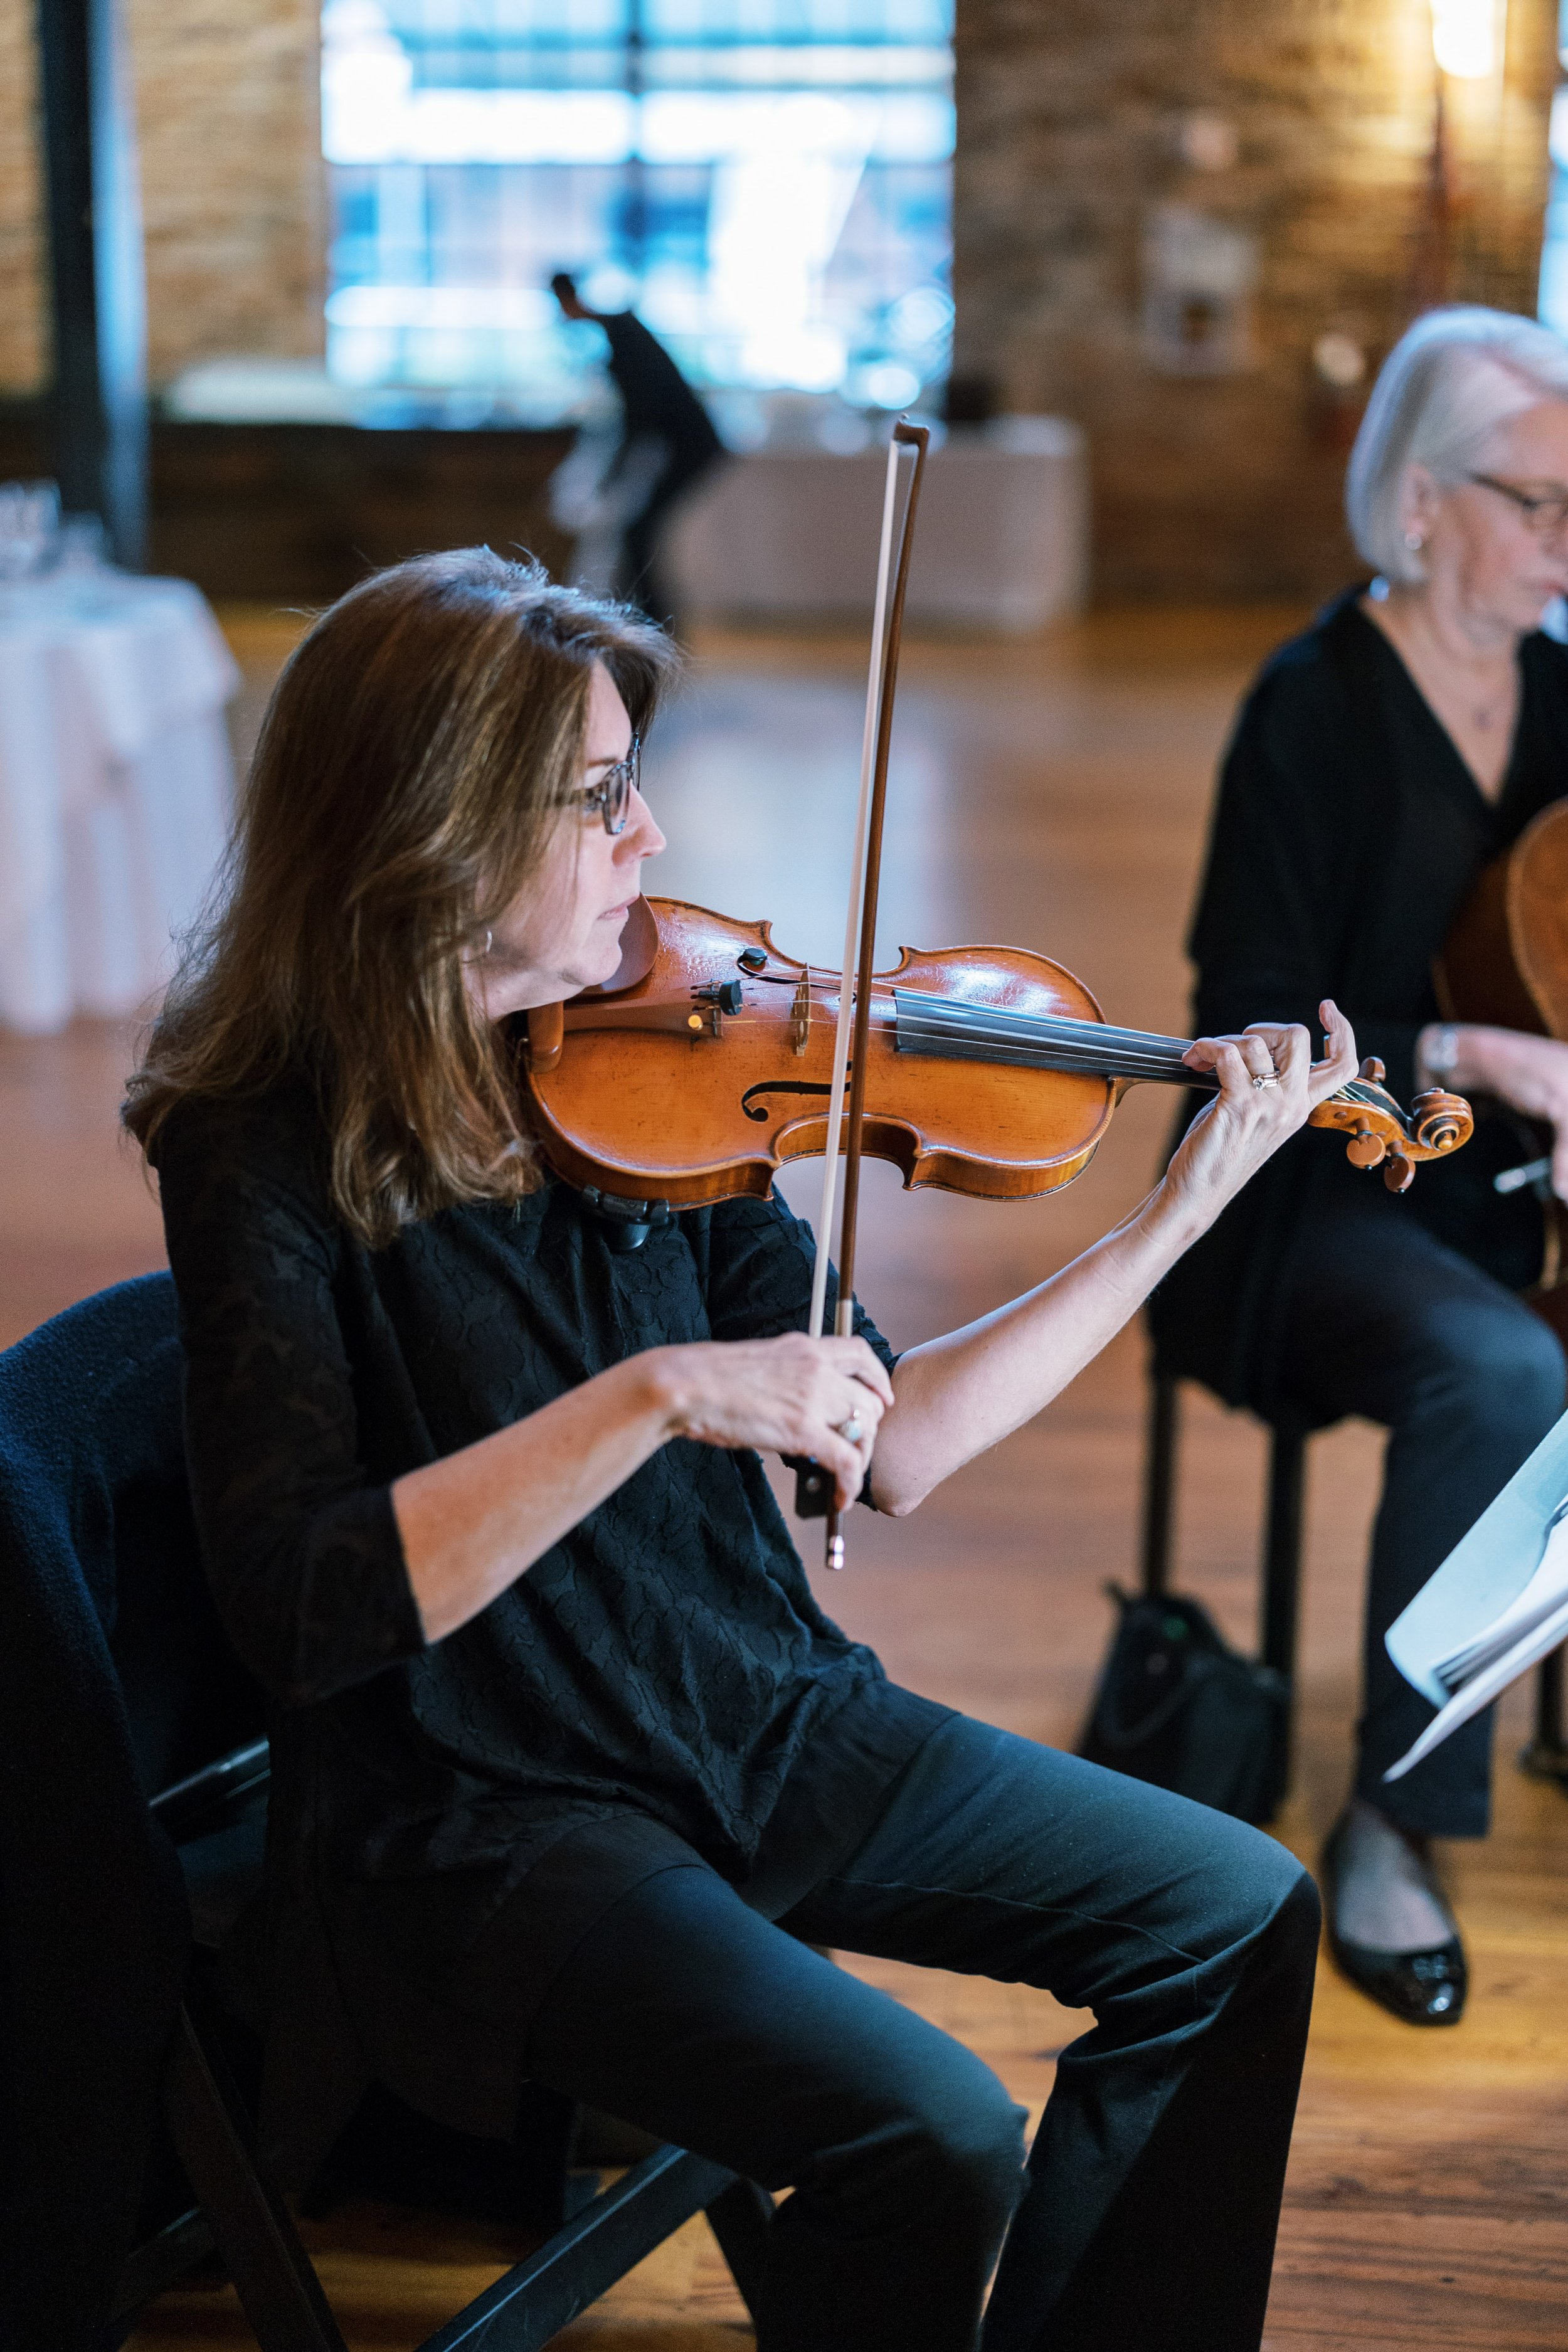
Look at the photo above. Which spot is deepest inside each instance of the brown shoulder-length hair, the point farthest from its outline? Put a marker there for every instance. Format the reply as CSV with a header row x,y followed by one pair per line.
x,y
411,767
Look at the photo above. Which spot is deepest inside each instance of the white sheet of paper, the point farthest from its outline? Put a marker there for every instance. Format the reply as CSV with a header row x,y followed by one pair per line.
x,y
1482,1688
1485,1573
1543,1596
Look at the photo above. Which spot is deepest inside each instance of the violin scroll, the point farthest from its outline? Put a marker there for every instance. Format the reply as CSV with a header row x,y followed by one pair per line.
x,y
1380,1134
1442,1123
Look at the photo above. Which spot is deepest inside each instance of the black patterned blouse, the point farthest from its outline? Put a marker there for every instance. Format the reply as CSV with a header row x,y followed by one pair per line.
x,y
448,1818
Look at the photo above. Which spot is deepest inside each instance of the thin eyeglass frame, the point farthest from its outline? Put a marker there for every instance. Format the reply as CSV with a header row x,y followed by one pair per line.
x,y
1544,517
612,795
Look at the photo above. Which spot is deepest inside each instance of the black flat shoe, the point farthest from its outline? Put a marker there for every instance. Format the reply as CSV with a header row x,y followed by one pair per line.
x,y
1422,1988
1425,1988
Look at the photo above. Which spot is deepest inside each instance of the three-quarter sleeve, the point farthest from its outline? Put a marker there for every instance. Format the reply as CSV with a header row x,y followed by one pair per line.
x,y
300,1544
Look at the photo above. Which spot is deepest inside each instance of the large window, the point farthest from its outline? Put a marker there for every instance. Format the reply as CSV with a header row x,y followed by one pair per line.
x,y
768,180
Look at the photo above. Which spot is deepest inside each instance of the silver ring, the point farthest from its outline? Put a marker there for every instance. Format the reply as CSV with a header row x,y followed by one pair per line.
x,y
851,1430
1262,1084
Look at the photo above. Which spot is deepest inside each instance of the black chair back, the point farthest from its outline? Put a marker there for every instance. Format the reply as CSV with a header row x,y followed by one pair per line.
x,y
115,1679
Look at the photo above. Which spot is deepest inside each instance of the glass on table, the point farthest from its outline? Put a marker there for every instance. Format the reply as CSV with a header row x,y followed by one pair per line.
x,y
29,528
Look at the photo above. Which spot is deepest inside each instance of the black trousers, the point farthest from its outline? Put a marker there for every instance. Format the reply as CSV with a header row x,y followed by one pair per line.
x,y
1385,1321
1143,2220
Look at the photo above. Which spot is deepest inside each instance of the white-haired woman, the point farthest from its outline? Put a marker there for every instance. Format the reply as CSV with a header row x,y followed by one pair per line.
x,y
1380,761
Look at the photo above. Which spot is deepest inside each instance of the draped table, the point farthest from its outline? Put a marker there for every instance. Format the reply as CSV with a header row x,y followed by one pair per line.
x,y
789,533
116,788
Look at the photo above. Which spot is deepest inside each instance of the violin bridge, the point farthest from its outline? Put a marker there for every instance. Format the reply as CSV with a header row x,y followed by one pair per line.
x,y
800,1017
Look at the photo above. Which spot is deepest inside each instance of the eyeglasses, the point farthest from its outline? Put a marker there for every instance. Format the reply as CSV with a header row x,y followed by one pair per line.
x,y
1545,514
611,796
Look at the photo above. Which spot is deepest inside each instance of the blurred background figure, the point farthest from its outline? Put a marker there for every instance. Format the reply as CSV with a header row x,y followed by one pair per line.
x,y
618,500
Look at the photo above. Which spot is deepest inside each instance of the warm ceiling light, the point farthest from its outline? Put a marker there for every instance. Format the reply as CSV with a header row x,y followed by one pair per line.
x,y
1465,37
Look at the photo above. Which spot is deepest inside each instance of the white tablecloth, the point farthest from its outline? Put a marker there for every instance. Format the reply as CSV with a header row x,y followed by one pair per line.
x,y
1001,543
116,788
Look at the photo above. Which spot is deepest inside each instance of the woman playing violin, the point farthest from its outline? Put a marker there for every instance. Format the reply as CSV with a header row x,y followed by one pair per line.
x,y
570,1772
1379,763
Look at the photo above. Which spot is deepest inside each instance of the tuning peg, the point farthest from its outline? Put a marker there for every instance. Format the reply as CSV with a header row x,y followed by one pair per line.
x,y
1372,1071
1400,1172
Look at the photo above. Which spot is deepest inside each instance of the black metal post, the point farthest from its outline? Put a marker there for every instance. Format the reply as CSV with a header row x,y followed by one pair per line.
x,y
1282,1547
99,405
1282,1584
1545,1756
1159,1484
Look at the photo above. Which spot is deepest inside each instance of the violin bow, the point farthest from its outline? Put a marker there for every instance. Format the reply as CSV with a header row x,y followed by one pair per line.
x,y
814,1490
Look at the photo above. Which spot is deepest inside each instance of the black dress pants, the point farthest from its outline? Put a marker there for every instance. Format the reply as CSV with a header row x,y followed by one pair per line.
x,y
1383,1321
1144,2218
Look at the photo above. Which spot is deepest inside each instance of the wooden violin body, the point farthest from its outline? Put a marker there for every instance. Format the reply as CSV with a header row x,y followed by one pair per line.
x,y
1504,965
1505,960
704,1066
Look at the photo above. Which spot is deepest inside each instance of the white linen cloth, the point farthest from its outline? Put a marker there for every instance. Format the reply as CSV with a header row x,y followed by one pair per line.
x,y
116,788
1001,543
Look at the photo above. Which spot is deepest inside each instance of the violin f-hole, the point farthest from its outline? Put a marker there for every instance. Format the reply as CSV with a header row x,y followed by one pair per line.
x,y
754,1108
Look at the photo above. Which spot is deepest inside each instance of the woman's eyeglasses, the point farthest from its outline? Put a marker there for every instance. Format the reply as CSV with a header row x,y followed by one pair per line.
x,y
611,796
1545,512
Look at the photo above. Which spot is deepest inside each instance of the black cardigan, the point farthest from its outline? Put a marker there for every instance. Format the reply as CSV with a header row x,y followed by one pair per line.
x,y
1347,832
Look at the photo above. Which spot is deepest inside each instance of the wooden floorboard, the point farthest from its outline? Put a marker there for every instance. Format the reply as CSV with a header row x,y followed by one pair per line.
x,y
1053,794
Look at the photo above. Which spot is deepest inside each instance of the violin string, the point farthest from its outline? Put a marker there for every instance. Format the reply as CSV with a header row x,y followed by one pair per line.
x,y
1033,1040
1005,1034
1101,1035
963,1031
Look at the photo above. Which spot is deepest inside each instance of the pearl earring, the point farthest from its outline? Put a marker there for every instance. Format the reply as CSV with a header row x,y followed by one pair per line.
x,y
1415,540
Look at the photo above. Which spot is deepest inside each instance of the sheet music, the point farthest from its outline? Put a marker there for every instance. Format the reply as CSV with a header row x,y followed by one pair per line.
x,y
1496,1607
1543,1596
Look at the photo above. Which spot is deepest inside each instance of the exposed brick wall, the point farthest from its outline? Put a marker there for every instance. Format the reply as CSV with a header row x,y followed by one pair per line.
x,y
1069,116
22,349
231,183
1225,485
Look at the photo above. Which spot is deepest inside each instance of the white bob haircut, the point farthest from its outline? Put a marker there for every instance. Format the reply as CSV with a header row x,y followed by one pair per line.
x,y
1440,395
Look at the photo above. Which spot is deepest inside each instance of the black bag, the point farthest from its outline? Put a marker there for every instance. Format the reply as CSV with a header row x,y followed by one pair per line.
x,y
1177,1705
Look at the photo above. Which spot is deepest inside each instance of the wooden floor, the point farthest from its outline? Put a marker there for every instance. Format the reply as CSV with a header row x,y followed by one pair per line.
x,y
1052,795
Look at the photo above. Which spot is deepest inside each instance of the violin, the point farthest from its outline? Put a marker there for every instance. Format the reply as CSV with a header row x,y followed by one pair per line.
x,y
710,1058
990,1071
1505,961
